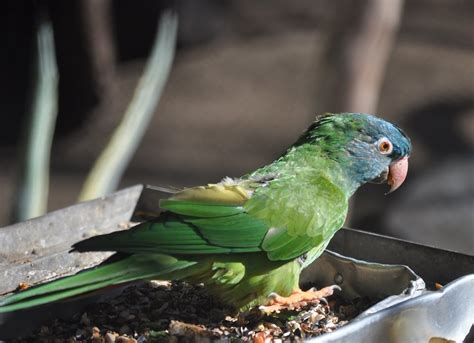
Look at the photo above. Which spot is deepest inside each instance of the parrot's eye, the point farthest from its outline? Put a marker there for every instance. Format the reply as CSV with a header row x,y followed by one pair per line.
x,y
385,146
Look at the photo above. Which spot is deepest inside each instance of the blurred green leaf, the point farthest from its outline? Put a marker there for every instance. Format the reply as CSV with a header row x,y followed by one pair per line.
x,y
111,164
34,176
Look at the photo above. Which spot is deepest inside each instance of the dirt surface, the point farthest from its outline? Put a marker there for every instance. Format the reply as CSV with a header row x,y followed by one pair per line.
x,y
178,312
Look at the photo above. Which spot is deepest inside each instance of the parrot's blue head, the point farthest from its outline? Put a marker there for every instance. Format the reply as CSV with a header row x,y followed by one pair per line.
x,y
369,148
379,151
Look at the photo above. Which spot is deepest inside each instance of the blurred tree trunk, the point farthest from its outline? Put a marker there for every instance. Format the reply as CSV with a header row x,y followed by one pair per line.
x,y
360,38
359,43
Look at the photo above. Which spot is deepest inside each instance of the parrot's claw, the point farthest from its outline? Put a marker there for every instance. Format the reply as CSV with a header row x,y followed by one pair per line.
x,y
324,300
297,299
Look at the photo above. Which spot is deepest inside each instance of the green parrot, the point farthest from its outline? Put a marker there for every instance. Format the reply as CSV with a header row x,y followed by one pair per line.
x,y
247,239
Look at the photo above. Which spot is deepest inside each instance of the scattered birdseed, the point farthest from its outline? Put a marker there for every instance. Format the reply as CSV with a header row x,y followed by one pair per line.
x,y
179,312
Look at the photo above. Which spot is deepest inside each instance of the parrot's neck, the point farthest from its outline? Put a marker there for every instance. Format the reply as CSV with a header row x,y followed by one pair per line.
x,y
307,162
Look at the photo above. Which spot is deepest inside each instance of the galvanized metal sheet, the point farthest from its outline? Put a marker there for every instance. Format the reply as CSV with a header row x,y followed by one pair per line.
x,y
37,249
394,283
440,316
431,264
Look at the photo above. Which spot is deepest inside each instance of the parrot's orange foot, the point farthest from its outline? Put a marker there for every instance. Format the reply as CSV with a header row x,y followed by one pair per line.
x,y
297,299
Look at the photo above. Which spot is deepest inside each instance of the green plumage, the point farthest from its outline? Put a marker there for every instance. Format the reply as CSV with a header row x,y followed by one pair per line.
x,y
241,237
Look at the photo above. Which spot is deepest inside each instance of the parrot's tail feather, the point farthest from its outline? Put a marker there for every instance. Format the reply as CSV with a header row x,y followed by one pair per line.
x,y
133,268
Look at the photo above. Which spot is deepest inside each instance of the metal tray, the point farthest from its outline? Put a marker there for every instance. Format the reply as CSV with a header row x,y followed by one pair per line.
x,y
37,250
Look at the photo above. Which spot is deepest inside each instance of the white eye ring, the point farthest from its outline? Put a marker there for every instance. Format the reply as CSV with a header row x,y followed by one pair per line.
x,y
384,146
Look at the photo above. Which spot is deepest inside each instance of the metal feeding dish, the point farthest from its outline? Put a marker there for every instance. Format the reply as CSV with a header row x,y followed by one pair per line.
x,y
38,250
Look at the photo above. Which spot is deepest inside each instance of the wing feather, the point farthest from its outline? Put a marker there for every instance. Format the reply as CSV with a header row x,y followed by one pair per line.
x,y
190,225
218,219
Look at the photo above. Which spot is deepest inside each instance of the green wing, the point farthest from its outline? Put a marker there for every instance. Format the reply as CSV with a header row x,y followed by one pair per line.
x,y
191,227
192,224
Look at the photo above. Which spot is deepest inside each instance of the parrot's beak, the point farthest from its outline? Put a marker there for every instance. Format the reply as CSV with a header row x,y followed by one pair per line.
x,y
397,172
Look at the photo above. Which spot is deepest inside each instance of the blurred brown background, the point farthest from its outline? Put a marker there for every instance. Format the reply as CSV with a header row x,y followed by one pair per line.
x,y
248,77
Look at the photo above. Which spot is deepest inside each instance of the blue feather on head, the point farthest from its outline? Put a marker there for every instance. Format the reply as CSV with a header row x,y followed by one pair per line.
x,y
369,148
